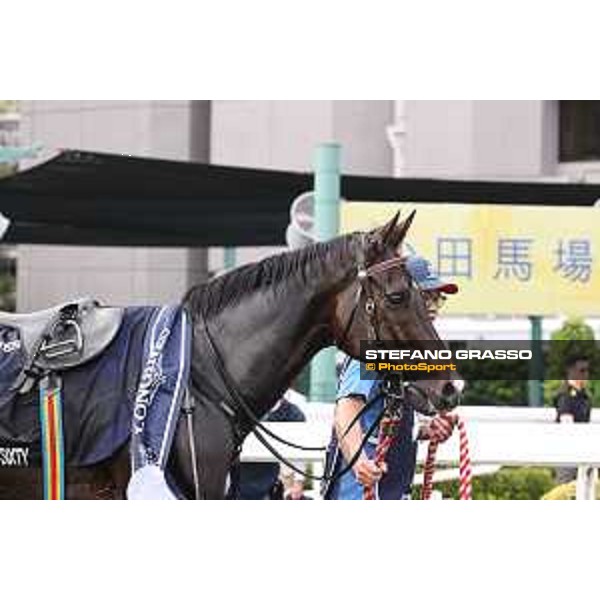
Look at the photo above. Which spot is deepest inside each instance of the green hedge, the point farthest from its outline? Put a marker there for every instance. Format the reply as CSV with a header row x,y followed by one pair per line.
x,y
510,483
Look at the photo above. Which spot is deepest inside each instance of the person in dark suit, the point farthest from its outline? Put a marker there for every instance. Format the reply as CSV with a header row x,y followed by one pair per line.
x,y
573,403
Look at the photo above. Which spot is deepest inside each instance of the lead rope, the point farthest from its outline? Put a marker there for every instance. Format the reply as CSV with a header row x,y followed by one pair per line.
x,y
387,432
464,467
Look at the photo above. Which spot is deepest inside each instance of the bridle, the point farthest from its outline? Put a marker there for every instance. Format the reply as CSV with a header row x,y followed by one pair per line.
x,y
366,283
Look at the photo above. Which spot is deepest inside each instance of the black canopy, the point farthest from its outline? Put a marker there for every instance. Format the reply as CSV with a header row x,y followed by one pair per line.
x,y
86,198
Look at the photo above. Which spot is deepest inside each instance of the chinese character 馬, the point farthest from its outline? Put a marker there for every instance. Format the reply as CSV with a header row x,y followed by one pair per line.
x,y
513,259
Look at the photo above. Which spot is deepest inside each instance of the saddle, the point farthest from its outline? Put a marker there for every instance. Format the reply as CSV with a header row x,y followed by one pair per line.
x,y
103,376
62,337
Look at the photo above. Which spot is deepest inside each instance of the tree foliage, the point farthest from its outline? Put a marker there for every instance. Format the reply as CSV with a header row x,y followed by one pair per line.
x,y
487,383
575,339
9,106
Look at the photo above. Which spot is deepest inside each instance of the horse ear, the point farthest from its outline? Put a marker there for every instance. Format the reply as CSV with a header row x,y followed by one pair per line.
x,y
401,230
387,231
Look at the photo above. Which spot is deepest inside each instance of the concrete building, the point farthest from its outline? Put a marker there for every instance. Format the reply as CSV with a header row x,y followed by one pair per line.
x,y
284,134
514,140
174,130
518,140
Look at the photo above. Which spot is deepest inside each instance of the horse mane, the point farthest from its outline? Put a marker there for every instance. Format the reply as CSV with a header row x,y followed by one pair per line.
x,y
302,266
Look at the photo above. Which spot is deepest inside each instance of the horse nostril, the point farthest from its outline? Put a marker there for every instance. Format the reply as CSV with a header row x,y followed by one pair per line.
x,y
450,396
449,389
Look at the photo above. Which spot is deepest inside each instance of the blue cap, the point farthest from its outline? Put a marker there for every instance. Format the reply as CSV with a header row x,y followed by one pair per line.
x,y
420,270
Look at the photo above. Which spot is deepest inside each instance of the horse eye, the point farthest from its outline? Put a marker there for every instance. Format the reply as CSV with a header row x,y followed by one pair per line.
x,y
397,297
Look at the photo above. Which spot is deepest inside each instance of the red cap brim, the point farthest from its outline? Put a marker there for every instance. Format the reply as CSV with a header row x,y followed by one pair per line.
x,y
448,288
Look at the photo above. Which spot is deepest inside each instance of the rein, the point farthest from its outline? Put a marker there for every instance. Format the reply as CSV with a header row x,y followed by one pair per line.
x,y
259,427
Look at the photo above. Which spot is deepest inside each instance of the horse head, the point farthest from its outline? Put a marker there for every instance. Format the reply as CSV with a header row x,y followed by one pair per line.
x,y
381,302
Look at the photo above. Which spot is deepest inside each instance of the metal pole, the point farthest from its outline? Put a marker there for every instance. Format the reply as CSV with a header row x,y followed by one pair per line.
x,y
228,258
327,216
13,154
536,367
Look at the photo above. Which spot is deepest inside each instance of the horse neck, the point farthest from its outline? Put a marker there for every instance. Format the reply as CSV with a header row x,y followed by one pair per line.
x,y
268,337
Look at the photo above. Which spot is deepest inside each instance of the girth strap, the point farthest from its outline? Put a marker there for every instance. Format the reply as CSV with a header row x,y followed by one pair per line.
x,y
53,454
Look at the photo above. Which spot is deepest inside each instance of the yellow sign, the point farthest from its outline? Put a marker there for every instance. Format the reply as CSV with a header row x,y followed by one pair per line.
x,y
506,260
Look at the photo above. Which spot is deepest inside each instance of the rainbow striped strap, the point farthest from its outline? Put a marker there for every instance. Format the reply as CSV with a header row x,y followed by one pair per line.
x,y
53,456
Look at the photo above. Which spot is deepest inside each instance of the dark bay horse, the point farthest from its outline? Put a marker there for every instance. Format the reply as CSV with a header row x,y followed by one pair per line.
x,y
254,329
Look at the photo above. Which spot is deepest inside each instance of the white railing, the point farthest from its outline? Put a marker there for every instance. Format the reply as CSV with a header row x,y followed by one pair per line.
x,y
318,411
497,436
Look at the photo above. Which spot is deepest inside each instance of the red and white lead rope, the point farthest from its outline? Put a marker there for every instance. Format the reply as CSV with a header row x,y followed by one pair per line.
x,y
464,466
387,431
466,475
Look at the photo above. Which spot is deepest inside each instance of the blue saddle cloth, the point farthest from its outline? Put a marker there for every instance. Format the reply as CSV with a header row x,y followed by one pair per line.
x,y
99,397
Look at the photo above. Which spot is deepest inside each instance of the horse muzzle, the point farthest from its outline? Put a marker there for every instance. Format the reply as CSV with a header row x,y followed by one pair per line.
x,y
431,400
449,397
